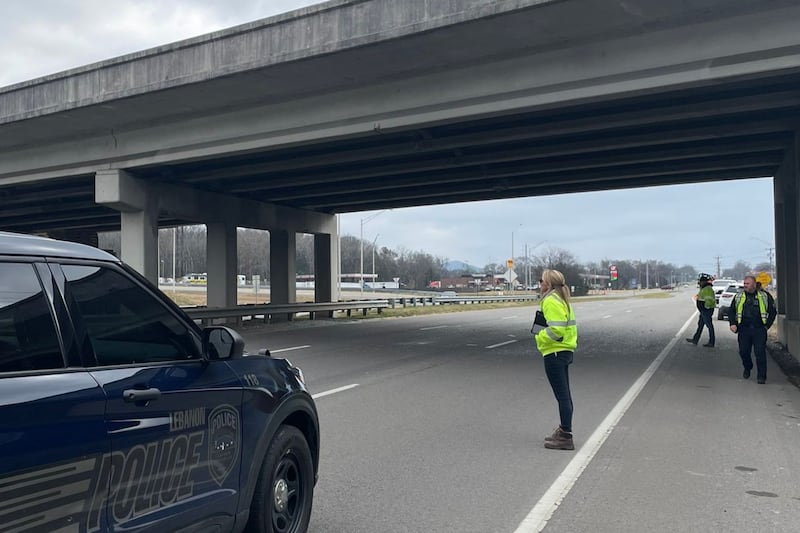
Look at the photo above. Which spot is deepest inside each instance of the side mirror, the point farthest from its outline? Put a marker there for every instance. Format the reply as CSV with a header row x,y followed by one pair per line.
x,y
220,342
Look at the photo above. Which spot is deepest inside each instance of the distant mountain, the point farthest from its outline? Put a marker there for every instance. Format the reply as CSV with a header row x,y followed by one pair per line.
x,y
460,266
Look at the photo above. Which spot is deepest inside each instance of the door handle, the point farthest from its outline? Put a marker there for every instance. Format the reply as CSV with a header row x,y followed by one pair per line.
x,y
140,395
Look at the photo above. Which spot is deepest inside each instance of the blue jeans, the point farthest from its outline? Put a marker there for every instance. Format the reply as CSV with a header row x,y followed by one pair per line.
x,y
706,319
556,366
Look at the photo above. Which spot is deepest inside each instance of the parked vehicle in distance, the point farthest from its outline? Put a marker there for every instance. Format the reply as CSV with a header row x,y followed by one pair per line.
x,y
720,285
726,298
119,413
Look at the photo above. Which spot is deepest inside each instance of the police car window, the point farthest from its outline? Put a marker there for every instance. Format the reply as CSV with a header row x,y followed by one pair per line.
x,y
28,338
125,323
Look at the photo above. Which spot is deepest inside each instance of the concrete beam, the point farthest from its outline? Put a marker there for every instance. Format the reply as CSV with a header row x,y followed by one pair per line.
x,y
194,204
624,63
119,190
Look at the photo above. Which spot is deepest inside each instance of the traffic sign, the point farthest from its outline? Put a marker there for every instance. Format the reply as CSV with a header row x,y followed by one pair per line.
x,y
510,263
510,275
763,278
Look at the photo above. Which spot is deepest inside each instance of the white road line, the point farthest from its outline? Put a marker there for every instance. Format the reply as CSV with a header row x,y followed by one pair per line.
x,y
629,311
500,344
543,510
290,349
608,316
433,327
334,391
508,317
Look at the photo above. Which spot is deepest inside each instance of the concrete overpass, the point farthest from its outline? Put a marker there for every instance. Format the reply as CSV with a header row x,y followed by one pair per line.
x,y
354,105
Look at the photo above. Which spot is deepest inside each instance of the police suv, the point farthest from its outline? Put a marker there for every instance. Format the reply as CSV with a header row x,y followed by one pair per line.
x,y
118,413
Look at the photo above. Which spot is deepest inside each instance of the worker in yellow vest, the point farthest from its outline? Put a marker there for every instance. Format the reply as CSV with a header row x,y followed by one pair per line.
x,y
751,314
706,301
556,336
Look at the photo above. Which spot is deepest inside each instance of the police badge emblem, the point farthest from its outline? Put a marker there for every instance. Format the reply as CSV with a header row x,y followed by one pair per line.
x,y
223,442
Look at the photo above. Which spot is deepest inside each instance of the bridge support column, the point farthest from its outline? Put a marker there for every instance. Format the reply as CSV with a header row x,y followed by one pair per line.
x,y
283,275
138,208
326,264
222,264
787,247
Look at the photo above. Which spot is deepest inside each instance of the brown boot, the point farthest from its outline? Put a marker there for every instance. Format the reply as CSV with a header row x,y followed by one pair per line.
x,y
555,435
559,440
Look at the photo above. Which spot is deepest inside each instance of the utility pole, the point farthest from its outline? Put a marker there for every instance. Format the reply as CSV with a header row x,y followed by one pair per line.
x,y
771,270
719,272
647,274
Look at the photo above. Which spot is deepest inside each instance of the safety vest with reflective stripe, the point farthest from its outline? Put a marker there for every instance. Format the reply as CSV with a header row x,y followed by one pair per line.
x,y
561,333
762,306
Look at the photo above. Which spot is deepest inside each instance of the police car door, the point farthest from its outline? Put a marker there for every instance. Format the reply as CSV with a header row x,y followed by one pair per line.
x,y
52,431
167,409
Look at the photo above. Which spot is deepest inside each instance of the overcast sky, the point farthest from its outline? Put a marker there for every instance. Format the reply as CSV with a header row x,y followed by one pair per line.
x,y
680,224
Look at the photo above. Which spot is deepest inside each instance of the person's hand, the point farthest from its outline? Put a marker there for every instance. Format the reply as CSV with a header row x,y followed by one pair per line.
x,y
734,328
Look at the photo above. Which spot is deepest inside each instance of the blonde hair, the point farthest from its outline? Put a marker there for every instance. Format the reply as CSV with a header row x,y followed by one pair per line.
x,y
557,283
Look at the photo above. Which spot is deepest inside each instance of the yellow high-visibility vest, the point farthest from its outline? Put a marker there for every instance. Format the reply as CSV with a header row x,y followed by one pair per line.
x,y
561,333
762,305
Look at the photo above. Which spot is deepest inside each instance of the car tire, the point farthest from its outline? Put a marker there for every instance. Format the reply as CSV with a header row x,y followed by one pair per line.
x,y
285,487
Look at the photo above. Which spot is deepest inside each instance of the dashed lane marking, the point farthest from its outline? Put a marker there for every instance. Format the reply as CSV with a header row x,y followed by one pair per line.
x,y
608,316
500,344
334,391
433,327
290,349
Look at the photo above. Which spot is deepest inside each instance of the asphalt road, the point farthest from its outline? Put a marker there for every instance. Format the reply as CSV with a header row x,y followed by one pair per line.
x,y
435,424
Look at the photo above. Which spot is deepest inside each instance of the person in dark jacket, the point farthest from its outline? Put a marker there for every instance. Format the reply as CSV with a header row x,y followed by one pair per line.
x,y
751,314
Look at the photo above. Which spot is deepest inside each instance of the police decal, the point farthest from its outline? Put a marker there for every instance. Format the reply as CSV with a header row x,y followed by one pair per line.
x,y
144,478
223,442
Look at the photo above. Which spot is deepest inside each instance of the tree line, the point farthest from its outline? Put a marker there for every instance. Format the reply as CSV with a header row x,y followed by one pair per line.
x,y
416,269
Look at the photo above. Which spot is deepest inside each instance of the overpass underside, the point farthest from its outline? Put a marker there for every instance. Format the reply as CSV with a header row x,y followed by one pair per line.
x,y
380,104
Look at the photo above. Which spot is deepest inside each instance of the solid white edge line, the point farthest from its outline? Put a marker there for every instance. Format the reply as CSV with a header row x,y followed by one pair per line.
x,y
501,344
543,510
334,391
290,349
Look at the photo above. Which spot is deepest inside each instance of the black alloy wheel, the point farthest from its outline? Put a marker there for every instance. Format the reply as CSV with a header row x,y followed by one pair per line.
x,y
284,493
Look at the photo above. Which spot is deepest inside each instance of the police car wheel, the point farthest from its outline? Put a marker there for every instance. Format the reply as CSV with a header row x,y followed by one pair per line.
x,y
283,496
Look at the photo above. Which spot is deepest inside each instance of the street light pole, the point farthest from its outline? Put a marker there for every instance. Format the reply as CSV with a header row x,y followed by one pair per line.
x,y
361,242
510,281
373,257
527,260
361,269
174,240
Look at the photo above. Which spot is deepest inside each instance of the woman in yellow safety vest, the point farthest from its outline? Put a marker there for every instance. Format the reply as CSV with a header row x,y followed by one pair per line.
x,y
556,334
